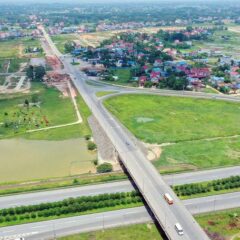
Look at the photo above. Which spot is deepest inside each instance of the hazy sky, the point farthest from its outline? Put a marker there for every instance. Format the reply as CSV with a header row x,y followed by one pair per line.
x,y
102,1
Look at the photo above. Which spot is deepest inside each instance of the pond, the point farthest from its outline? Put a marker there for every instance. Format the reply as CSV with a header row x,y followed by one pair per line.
x,y
22,159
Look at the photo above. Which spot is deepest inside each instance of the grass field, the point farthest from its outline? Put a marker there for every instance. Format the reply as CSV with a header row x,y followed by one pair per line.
x,y
14,51
203,154
218,224
61,39
139,232
53,108
124,76
198,129
157,119
15,48
56,183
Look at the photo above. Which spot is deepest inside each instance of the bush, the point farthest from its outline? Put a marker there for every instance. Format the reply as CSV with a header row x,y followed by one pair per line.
x,y
91,146
104,168
87,137
95,162
75,181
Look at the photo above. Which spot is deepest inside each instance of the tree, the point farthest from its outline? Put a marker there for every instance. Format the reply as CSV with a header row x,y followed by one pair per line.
x,y
69,47
36,73
39,73
104,168
30,73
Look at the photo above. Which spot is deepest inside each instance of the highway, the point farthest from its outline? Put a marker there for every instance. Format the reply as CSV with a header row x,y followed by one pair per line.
x,y
148,180
100,221
121,186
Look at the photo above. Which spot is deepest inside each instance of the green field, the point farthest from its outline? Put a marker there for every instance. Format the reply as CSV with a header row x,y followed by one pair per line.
x,y
68,132
197,155
139,232
14,51
15,48
224,225
53,110
61,39
158,119
124,76
198,129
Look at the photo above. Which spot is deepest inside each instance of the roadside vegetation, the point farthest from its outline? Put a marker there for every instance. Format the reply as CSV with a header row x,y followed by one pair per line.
x,y
209,188
51,184
104,93
69,207
220,225
139,231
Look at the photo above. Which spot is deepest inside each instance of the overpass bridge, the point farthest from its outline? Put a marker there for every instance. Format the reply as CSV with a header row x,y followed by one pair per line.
x,y
148,180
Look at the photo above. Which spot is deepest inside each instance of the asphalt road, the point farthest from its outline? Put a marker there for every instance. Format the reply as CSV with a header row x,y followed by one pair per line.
x,y
123,186
100,221
145,176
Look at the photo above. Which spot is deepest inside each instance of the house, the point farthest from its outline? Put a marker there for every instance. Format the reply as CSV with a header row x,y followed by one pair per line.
x,y
155,76
157,63
145,68
142,81
235,73
198,73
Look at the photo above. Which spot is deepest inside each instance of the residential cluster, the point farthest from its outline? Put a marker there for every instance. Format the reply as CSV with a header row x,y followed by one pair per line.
x,y
160,60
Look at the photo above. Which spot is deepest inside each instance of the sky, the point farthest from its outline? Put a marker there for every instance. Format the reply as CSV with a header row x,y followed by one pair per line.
x,y
102,1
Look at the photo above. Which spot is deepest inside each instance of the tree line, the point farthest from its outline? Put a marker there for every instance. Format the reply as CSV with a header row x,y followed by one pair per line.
x,y
232,182
68,206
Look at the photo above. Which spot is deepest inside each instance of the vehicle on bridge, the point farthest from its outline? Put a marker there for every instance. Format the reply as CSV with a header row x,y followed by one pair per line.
x,y
179,229
168,198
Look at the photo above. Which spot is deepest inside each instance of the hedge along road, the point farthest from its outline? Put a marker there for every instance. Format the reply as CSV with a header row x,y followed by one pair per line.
x,y
122,186
100,221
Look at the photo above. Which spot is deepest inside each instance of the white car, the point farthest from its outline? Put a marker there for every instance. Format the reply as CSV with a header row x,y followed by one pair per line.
x,y
179,229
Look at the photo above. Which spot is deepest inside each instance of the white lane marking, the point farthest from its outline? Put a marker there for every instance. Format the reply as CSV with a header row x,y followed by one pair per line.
x,y
38,227
8,231
72,221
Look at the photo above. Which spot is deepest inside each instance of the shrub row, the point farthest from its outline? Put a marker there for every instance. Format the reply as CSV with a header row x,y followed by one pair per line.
x,y
68,206
191,189
215,185
223,181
